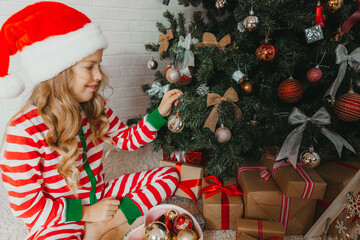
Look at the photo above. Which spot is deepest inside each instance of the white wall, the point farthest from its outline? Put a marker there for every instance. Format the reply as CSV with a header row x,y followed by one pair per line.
x,y
128,25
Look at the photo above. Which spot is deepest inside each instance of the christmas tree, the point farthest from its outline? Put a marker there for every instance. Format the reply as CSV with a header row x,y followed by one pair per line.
x,y
254,62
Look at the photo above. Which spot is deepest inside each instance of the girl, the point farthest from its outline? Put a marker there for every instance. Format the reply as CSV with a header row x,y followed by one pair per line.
x,y
51,154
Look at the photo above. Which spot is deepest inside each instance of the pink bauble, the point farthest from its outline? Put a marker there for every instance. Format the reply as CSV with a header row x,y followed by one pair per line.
x,y
314,74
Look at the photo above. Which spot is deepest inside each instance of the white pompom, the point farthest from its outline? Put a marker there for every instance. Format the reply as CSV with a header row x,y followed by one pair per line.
x,y
11,86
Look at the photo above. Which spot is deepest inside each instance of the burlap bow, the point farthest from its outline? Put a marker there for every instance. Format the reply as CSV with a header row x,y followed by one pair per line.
x,y
214,99
164,41
343,59
290,148
156,88
209,39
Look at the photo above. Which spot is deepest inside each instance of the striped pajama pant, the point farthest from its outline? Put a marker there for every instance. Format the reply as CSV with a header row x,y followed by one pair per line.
x,y
146,189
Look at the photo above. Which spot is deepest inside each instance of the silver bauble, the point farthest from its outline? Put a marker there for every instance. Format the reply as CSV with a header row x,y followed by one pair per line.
x,y
157,231
250,22
309,158
175,123
220,4
173,75
152,64
223,134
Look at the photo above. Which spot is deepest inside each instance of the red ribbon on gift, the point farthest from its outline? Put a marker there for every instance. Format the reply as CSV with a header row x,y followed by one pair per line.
x,y
352,20
318,15
186,185
195,158
345,165
215,186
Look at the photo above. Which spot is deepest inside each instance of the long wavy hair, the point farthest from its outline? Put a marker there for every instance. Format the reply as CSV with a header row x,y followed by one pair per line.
x,y
62,114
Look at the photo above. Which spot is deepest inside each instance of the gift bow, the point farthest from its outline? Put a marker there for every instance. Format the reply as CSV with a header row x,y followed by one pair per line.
x,y
215,99
352,20
164,41
290,148
216,187
189,59
156,88
209,39
343,59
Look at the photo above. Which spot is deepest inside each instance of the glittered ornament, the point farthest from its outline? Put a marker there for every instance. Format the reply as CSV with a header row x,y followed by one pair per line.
x,y
173,75
334,5
223,134
314,74
183,221
220,4
290,90
314,33
185,79
250,22
265,52
152,64
247,86
157,231
171,214
347,107
187,234
175,123
309,158
202,90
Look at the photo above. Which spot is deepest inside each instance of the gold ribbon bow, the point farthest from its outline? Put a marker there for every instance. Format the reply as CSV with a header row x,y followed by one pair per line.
x,y
209,39
164,41
215,99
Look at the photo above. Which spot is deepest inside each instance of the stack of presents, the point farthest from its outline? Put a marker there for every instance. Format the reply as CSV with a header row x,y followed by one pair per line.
x,y
268,199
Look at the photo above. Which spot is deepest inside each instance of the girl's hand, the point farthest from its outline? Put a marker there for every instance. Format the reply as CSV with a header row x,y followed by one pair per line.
x,y
169,99
103,210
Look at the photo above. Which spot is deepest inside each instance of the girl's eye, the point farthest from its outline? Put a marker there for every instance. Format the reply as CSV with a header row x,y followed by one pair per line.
x,y
90,67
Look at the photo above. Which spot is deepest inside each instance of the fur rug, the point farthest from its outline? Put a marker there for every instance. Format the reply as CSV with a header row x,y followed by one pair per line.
x,y
117,163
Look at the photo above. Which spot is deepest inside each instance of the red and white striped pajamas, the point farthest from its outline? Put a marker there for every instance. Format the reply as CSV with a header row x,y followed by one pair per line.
x,y
40,196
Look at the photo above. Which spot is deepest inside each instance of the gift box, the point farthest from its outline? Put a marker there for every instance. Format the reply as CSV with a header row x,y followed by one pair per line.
x,y
264,200
200,157
222,203
244,236
190,179
301,182
259,229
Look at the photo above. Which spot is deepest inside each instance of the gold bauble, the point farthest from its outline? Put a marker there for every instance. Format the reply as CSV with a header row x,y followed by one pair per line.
x,y
334,5
247,86
175,123
157,231
171,214
309,158
187,234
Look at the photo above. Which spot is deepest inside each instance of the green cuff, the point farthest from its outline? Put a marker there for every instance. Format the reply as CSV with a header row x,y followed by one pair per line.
x,y
73,211
156,120
130,210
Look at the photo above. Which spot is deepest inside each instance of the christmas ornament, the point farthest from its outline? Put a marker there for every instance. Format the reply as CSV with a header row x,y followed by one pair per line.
x,y
340,226
209,40
183,221
250,22
240,27
157,231
265,52
318,14
171,214
353,204
175,123
202,90
314,74
309,158
347,107
334,5
247,86
173,75
186,76
164,41
290,90
220,4
187,234
223,134
238,76
152,64
313,34
157,89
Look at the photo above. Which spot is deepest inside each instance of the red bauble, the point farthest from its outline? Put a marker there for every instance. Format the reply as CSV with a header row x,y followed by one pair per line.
x,y
185,79
290,90
183,221
347,107
314,74
266,52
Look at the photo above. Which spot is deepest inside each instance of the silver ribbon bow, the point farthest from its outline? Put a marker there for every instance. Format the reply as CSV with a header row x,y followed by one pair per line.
x,y
290,148
237,75
343,59
156,88
189,59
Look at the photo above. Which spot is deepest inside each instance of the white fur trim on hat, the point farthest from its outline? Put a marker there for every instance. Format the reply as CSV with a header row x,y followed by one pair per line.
x,y
45,59
11,86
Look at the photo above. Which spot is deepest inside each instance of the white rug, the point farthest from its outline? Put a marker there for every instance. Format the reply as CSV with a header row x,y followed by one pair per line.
x,y
117,164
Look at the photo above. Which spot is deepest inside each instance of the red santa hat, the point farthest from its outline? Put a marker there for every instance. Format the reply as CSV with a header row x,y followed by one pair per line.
x,y
50,38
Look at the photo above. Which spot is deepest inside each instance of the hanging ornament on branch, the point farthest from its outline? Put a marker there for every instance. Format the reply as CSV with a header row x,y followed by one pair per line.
x,y
239,76
250,22
220,4
266,52
334,5
223,134
247,86
172,74
175,123
202,90
291,145
152,64
309,158
314,74
318,14
347,107
157,89
314,34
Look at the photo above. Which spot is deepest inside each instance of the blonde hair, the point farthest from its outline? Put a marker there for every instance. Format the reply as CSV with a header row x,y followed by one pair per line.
x,y
61,113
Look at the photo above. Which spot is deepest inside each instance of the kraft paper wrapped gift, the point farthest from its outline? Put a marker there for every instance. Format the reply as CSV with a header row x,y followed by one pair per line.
x,y
190,178
244,236
264,200
221,211
258,229
295,183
